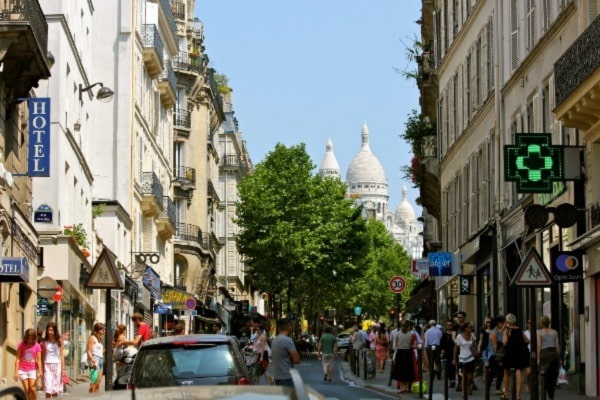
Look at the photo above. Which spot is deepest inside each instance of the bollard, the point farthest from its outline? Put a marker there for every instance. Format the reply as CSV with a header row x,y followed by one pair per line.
x,y
357,361
465,384
488,381
431,351
543,383
391,369
364,356
445,371
513,385
420,360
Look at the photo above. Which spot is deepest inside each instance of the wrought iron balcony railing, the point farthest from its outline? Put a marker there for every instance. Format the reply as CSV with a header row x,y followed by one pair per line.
x,y
190,62
182,119
577,63
169,210
151,38
151,185
169,75
231,160
193,233
185,174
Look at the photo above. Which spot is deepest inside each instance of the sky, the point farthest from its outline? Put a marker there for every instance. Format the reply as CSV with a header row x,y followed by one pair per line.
x,y
303,71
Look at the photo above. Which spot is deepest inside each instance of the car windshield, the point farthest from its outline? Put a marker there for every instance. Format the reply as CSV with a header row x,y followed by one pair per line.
x,y
184,361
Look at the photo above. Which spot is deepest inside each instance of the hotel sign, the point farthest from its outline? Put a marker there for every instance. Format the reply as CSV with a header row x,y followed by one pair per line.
x,y
39,137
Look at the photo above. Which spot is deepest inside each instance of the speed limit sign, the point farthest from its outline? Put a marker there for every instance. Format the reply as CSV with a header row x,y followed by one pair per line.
x,y
397,284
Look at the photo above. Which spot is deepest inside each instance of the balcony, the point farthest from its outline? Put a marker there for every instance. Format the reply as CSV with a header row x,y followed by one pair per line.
x,y
167,85
231,160
166,220
182,119
216,96
189,63
185,178
152,195
24,38
577,81
193,235
153,50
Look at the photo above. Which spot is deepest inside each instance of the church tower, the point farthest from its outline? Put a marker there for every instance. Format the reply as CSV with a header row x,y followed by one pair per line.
x,y
329,166
366,179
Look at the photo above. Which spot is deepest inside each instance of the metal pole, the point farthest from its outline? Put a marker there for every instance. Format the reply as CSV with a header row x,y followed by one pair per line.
x,y
431,352
534,395
108,336
513,385
420,366
398,311
487,380
445,369
543,383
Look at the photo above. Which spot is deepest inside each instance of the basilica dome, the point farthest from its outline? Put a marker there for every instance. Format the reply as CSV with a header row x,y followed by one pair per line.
x,y
405,214
365,168
329,166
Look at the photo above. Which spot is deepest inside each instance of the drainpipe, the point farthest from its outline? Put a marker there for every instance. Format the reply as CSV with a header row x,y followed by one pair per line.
x,y
497,193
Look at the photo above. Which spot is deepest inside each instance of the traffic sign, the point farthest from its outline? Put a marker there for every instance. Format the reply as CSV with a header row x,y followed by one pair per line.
x,y
397,284
105,274
190,303
532,271
533,163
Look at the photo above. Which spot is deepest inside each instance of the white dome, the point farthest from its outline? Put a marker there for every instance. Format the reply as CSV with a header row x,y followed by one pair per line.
x,y
329,165
365,168
405,214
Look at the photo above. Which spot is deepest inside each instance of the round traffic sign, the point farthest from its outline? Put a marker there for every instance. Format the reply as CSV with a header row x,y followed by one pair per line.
x,y
397,284
190,303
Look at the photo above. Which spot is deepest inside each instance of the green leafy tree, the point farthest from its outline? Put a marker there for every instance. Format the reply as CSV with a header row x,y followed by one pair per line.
x,y
385,259
297,228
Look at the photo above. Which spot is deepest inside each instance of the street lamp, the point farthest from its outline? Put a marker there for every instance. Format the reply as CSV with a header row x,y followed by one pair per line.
x,y
104,94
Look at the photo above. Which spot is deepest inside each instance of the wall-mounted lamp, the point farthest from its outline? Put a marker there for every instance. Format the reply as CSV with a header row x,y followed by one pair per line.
x,y
50,60
104,94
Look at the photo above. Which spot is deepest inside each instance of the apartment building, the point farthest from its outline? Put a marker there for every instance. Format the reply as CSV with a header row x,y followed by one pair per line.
x,y
506,67
24,33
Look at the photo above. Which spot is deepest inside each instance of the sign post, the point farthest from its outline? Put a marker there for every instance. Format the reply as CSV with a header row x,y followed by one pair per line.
x,y
106,276
532,273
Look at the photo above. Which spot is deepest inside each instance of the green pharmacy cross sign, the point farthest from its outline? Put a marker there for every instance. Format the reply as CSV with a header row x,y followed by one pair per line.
x,y
533,163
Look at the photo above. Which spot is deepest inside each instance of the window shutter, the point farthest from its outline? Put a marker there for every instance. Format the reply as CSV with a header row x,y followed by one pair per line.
x,y
465,201
514,34
473,205
519,124
463,89
531,27
451,114
491,55
555,125
485,187
483,77
592,10
547,14
536,114
474,89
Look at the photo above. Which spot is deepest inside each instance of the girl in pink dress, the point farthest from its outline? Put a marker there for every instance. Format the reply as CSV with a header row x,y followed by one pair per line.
x,y
28,365
54,361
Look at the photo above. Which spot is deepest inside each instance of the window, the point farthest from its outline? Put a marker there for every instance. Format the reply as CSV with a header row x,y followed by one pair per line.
x,y
547,14
477,85
546,108
490,54
468,88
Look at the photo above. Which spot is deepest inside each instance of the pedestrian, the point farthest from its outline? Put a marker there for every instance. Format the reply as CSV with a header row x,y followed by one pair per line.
x,y
95,353
119,353
179,329
28,364
382,348
447,353
495,343
261,351
283,354
53,360
548,355
527,333
371,337
515,353
143,331
216,328
327,349
433,339
464,357
404,359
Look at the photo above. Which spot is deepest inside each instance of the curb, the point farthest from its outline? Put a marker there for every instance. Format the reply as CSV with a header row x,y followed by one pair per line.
x,y
349,376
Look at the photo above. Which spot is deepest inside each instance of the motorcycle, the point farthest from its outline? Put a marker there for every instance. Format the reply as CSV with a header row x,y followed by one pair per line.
x,y
125,357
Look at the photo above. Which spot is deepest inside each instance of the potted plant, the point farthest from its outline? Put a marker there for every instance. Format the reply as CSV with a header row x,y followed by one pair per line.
x,y
77,233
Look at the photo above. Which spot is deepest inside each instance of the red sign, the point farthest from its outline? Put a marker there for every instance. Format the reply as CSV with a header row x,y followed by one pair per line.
x,y
397,284
190,303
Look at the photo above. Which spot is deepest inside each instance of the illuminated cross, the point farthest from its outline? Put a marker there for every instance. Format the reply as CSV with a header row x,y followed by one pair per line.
x,y
533,163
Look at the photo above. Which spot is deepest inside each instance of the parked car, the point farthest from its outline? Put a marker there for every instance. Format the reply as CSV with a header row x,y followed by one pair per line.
x,y
189,360
343,341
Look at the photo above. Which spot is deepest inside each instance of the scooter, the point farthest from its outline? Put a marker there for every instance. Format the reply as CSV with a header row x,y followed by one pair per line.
x,y
127,358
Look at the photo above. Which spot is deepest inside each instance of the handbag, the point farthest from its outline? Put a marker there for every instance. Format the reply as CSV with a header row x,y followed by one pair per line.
x,y
562,377
474,351
499,356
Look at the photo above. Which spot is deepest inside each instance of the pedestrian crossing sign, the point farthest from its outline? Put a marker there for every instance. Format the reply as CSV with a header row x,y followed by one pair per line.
x,y
532,271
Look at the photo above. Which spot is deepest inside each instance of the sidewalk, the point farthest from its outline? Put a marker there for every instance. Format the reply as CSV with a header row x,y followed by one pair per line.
x,y
380,384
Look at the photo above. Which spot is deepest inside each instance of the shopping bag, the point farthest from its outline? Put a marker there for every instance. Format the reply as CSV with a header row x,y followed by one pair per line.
x,y
414,388
94,375
562,377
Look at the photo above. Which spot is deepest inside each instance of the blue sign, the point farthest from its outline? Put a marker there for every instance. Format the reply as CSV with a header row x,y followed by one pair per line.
x,y
567,266
163,308
39,137
43,214
440,263
14,269
44,307
152,281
